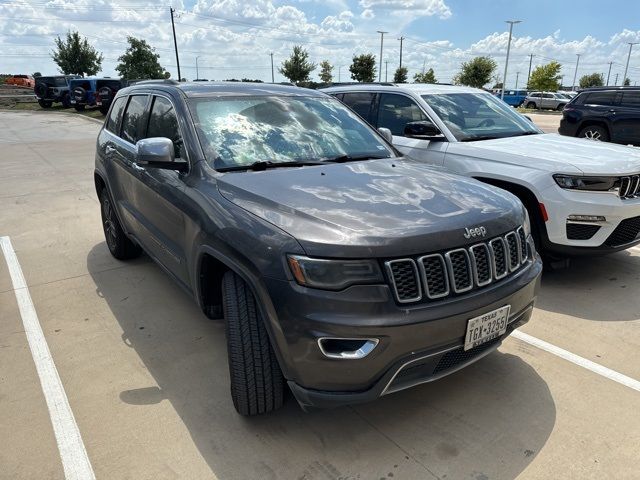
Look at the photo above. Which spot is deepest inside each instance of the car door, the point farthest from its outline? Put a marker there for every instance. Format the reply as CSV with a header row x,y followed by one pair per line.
x,y
159,192
627,117
394,112
548,101
601,105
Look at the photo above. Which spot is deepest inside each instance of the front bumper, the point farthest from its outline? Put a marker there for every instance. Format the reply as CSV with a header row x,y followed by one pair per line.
x,y
423,335
560,204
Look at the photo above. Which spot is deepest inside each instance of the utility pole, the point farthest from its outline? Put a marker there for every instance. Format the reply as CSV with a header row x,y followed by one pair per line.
x,y
380,58
624,77
401,40
609,74
386,70
575,74
531,55
273,79
197,72
517,77
506,63
616,82
561,81
424,65
175,43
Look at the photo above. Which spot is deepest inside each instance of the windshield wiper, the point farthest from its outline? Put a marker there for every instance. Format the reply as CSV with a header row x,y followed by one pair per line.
x,y
264,165
479,137
527,133
354,158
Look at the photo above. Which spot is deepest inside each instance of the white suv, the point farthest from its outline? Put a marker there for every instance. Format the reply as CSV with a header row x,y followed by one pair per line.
x,y
583,197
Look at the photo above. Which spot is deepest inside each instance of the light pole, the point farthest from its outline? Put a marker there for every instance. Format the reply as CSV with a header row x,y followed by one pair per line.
x,y
506,63
380,58
386,70
197,74
609,74
575,74
517,77
624,77
531,55
272,76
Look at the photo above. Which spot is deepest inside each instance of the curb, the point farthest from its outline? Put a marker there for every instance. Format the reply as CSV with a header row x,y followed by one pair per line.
x,y
36,112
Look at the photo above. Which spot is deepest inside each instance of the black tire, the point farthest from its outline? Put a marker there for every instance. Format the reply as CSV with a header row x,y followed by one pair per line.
x,y
41,89
531,105
45,103
594,132
66,100
120,246
561,107
257,384
79,108
104,109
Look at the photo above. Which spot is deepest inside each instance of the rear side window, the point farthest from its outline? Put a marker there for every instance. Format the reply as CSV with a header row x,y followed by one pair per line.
x,y
631,99
360,103
600,98
116,114
133,117
163,122
396,111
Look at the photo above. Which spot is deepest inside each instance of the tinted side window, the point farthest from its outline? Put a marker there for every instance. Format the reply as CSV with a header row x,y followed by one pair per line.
x,y
395,111
631,99
164,123
116,114
133,117
600,98
547,95
360,103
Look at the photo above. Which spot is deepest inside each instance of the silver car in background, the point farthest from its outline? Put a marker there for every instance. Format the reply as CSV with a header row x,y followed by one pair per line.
x,y
550,100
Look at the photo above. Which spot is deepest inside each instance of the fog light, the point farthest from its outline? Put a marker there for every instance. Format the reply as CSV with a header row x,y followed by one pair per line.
x,y
587,218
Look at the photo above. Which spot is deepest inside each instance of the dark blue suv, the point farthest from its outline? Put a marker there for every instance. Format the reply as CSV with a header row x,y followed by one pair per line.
x,y
607,114
94,92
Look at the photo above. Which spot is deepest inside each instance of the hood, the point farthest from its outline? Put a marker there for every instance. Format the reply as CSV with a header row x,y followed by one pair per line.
x,y
374,208
555,153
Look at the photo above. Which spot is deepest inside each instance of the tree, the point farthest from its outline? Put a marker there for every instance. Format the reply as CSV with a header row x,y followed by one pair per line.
x,y
75,56
428,77
325,71
401,75
36,74
545,77
476,72
592,80
363,68
139,61
298,67
627,82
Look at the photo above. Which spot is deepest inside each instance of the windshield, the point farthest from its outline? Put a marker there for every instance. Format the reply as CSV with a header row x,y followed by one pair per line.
x,y
239,131
478,116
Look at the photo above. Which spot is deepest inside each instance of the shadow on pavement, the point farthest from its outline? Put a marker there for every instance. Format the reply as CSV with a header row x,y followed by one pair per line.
x,y
488,421
594,288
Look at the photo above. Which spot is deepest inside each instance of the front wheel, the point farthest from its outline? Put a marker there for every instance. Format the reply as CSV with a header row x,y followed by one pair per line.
x,y
531,105
594,132
257,384
79,108
561,107
45,103
120,246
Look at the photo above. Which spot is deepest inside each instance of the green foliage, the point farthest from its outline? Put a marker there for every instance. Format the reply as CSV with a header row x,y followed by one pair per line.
x,y
249,80
427,77
401,75
363,67
325,71
140,61
545,77
297,67
74,56
627,82
592,80
476,72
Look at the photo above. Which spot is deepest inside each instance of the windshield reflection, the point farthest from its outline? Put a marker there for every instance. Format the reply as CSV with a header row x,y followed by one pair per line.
x,y
475,116
239,131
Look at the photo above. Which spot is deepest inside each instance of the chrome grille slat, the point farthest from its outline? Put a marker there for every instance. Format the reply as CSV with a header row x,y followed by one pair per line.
x,y
439,275
629,187
625,183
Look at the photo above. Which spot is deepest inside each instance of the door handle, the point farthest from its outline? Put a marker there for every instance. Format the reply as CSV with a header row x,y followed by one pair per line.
x,y
109,149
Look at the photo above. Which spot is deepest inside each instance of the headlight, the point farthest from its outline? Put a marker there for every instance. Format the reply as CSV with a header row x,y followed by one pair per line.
x,y
527,223
592,184
333,274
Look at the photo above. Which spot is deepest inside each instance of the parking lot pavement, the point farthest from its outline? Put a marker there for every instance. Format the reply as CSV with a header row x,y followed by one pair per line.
x,y
145,373
548,122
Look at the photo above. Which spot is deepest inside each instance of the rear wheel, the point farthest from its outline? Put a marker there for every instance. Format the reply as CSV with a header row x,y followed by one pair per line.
x,y
531,105
120,246
79,108
594,132
104,109
45,103
561,107
257,384
66,100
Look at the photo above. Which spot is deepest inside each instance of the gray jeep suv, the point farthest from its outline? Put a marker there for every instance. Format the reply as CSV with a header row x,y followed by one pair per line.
x,y
340,269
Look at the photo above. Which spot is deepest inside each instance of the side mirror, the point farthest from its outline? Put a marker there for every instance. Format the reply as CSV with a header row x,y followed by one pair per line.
x,y
386,134
158,153
422,130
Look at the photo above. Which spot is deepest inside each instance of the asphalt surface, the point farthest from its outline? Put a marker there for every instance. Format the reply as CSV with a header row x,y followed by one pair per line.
x,y
145,373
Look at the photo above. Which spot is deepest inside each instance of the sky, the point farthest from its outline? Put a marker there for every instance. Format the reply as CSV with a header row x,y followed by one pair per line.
x,y
234,38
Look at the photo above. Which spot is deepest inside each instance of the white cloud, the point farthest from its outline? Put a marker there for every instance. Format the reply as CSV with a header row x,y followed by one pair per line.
x,y
367,14
341,22
414,7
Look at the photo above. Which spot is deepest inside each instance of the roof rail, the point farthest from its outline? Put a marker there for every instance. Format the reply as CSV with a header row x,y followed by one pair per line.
x,y
340,84
165,81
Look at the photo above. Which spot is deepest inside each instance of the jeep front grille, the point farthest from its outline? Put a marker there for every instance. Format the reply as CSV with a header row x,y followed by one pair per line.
x,y
630,186
439,275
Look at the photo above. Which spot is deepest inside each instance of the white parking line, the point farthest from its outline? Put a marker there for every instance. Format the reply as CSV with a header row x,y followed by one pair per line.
x,y
582,362
75,461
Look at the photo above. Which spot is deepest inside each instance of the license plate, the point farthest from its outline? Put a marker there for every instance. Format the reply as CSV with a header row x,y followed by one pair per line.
x,y
486,327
